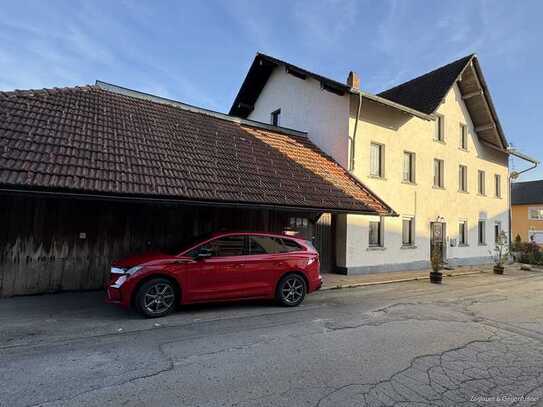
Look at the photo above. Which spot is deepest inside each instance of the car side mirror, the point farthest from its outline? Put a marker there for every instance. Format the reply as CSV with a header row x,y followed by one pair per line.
x,y
203,254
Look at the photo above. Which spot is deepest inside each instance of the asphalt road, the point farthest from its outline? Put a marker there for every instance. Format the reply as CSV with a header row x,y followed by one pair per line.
x,y
475,340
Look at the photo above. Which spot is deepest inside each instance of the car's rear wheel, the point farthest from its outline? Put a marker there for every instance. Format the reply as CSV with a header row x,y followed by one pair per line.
x,y
291,290
156,298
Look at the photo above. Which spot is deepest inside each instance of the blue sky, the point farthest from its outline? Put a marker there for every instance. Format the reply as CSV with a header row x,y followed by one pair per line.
x,y
199,52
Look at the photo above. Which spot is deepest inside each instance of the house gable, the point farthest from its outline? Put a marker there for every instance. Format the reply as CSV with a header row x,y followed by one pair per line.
x,y
425,93
306,106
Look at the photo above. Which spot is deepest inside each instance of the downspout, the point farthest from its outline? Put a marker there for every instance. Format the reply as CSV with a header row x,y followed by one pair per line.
x,y
353,138
514,175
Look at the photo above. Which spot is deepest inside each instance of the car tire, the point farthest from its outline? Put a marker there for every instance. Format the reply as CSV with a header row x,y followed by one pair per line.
x,y
291,290
156,298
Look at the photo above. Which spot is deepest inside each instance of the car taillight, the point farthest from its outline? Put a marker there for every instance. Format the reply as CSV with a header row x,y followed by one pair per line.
x,y
312,260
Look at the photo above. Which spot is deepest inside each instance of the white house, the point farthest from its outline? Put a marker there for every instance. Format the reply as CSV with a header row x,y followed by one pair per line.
x,y
431,148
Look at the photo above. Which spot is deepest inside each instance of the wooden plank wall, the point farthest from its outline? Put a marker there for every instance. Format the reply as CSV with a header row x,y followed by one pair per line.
x,y
41,249
324,242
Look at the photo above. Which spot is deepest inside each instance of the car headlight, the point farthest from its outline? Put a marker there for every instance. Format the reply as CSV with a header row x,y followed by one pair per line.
x,y
120,281
133,270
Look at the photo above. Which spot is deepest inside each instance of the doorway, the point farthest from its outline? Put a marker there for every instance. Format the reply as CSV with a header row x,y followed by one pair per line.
x,y
325,242
437,240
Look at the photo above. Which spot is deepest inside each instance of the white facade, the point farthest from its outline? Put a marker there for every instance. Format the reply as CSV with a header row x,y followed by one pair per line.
x,y
304,105
329,119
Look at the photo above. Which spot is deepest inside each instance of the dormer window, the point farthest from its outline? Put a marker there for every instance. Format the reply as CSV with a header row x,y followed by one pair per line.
x,y
275,117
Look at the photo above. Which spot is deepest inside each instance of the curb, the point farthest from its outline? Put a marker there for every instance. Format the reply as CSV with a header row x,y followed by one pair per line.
x,y
399,280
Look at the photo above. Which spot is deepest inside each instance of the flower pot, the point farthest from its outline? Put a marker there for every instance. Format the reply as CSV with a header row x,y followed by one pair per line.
x,y
498,269
436,277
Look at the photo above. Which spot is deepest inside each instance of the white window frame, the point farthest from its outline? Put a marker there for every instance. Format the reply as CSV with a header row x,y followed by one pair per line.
x,y
481,237
466,233
499,229
498,185
381,157
440,128
463,178
539,209
481,182
440,176
463,137
412,237
381,233
532,233
409,173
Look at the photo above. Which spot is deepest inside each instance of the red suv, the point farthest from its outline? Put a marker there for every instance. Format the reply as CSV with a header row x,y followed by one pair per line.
x,y
223,267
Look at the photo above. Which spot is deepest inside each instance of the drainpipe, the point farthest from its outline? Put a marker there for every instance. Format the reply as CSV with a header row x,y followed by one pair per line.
x,y
514,175
353,81
353,139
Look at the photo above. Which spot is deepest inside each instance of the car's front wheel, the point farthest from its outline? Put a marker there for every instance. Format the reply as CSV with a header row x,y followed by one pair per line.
x,y
156,298
291,290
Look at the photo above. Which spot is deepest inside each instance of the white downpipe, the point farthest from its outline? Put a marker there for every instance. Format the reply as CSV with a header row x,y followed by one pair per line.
x,y
353,138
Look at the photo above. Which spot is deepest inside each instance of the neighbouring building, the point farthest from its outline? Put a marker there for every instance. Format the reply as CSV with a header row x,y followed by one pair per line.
x,y
432,148
527,211
90,174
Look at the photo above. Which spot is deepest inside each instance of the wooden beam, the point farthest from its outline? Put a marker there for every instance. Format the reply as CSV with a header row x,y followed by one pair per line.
x,y
472,94
484,127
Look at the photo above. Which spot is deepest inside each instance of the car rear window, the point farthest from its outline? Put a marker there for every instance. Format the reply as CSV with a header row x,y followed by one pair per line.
x,y
291,245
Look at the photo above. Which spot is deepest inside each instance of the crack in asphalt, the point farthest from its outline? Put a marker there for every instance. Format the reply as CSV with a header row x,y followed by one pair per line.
x,y
478,367
455,376
443,383
171,365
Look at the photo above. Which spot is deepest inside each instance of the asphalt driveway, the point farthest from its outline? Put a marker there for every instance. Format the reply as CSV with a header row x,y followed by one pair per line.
x,y
475,340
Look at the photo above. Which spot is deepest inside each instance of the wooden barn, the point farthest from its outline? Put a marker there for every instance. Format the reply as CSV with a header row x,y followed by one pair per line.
x,y
90,174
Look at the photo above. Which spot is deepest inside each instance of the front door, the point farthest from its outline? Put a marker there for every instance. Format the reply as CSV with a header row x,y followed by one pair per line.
x,y
437,239
223,275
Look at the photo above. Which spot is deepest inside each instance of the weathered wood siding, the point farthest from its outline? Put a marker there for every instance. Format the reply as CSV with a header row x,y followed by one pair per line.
x,y
41,249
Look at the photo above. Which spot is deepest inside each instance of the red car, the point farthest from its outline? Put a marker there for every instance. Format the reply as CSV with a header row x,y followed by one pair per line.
x,y
224,267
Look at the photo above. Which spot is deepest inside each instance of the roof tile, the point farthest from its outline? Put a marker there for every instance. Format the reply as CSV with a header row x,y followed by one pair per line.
x,y
91,140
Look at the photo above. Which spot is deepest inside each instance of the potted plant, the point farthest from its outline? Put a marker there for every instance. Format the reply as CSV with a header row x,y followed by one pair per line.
x,y
501,253
435,258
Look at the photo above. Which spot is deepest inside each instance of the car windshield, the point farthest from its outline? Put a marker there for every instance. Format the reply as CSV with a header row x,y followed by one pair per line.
x,y
194,242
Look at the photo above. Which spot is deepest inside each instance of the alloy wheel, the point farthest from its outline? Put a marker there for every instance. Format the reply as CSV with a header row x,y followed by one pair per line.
x,y
159,298
292,290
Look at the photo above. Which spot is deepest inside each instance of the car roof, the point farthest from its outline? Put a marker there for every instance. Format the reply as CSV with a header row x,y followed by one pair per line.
x,y
246,233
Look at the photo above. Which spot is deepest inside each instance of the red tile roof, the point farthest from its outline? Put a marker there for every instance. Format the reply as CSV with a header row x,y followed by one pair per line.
x,y
92,140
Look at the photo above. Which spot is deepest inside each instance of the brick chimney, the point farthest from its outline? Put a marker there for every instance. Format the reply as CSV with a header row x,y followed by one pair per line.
x,y
353,80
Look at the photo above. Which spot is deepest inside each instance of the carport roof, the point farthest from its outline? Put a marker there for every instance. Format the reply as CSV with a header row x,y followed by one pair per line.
x,y
108,141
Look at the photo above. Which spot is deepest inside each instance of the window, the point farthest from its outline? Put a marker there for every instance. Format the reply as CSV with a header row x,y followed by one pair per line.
x,y
376,233
497,231
498,185
463,178
275,117
440,128
377,166
536,236
463,137
481,178
409,167
482,232
535,213
226,246
438,173
291,246
265,245
298,223
408,232
463,233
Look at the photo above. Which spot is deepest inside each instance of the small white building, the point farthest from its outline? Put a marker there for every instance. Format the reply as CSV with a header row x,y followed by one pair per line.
x,y
431,148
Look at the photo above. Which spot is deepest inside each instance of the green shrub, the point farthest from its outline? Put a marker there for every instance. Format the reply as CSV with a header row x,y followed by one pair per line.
x,y
529,252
